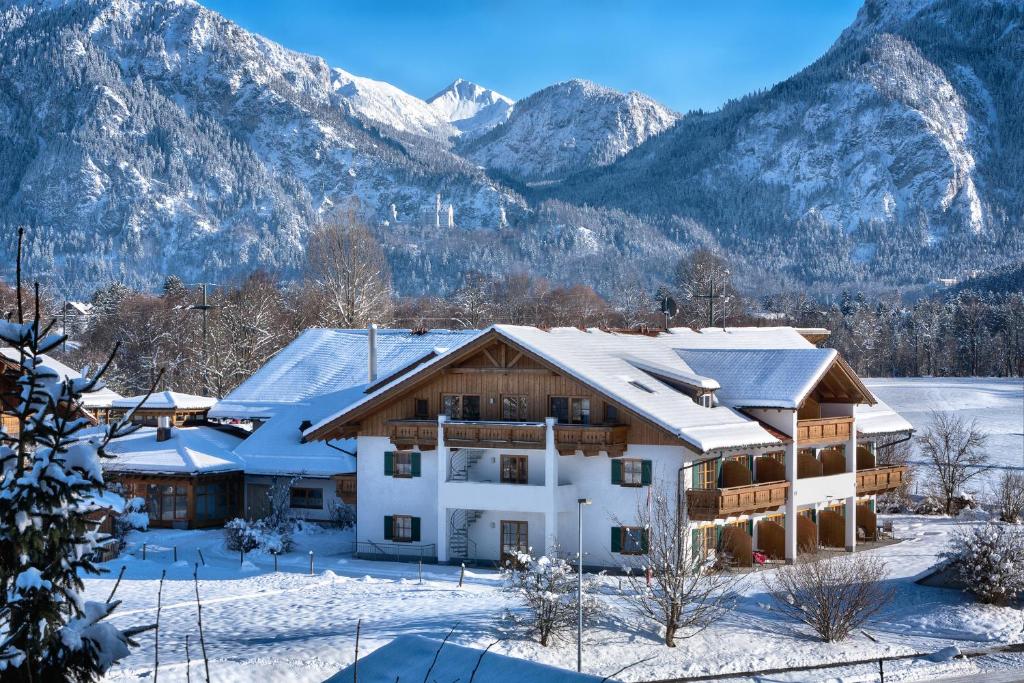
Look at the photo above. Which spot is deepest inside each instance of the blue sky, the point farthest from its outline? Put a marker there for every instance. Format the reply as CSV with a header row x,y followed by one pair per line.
x,y
687,54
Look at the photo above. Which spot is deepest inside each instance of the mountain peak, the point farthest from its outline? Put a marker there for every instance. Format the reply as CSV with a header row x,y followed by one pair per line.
x,y
471,108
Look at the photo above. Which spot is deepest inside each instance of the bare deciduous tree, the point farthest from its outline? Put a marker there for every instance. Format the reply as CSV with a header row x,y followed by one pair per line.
x,y
706,292
673,583
348,273
955,451
548,587
834,595
897,454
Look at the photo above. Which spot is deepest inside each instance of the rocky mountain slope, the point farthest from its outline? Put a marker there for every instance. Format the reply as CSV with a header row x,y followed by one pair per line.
x,y
146,138
568,127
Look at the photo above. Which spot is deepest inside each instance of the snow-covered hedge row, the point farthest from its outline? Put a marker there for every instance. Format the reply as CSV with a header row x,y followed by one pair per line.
x,y
989,560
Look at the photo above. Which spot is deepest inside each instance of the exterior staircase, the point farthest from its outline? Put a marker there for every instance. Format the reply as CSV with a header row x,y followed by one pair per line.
x,y
460,547
461,460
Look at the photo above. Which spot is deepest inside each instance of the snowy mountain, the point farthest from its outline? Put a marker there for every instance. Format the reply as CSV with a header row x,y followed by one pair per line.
x,y
893,155
568,127
471,108
143,138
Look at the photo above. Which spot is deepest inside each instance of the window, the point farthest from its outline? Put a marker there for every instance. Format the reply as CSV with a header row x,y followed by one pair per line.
x,y
705,540
401,528
705,400
461,407
631,472
402,464
513,408
571,409
514,469
422,409
212,501
307,499
705,475
611,414
634,541
167,502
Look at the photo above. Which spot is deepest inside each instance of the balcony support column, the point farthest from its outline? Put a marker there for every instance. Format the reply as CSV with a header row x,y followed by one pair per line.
x,y
851,502
442,508
791,477
550,487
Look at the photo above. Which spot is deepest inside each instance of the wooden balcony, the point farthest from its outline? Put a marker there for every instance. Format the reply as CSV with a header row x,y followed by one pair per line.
x,y
711,504
825,430
591,439
879,480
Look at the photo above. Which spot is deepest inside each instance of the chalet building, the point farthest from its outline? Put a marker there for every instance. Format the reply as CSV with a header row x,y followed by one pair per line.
x,y
94,405
320,372
762,439
183,467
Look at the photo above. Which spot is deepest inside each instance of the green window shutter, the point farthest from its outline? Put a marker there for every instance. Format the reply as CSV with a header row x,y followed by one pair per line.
x,y
645,541
616,472
718,473
694,540
718,535
645,472
750,527
814,515
389,528
415,529
389,463
871,503
695,470
616,539
416,472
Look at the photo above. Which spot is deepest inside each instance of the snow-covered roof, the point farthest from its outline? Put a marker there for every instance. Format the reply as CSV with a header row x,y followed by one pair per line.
x,y
879,419
411,657
166,400
761,378
276,446
81,307
189,450
99,398
321,361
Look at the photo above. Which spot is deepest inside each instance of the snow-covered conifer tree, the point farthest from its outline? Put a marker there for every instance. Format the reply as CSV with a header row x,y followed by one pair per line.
x,y
49,471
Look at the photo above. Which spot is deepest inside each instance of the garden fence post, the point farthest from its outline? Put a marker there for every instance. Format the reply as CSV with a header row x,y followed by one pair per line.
x,y
174,550
462,574
311,563
143,551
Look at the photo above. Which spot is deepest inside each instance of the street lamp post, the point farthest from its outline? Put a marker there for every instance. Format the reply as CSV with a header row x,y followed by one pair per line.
x,y
579,588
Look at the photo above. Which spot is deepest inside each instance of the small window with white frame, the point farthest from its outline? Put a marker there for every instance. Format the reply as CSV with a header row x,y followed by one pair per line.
x,y
403,464
706,400
632,472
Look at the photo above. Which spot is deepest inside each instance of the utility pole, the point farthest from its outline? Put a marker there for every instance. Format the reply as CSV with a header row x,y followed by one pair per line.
x,y
204,307
711,296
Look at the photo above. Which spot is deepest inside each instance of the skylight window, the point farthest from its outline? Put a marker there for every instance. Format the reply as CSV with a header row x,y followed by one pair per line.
x,y
640,386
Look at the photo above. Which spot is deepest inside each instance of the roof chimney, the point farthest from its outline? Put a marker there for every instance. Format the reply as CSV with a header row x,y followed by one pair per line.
x,y
371,339
163,428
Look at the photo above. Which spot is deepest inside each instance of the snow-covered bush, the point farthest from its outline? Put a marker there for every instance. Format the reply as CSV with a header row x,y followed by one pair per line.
x,y
989,560
240,534
834,595
548,587
1009,497
343,514
133,518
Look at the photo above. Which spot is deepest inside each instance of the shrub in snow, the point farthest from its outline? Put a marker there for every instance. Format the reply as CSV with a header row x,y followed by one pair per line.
x,y
1009,497
548,587
989,559
133,518
49,472
240,534
929,505
833,595
343,514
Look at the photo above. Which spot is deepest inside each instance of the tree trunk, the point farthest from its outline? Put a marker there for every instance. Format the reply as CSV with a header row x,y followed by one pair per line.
x,y
670,635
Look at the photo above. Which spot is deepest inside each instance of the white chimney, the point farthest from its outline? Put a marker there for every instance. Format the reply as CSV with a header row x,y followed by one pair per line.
x,y
163,428
371,340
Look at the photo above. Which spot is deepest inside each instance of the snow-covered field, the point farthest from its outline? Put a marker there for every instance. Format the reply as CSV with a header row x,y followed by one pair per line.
x,y
290,626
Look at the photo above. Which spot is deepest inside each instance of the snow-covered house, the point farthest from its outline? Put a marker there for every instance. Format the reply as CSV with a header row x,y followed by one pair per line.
x,y
177,407
484,450
95,404
319,373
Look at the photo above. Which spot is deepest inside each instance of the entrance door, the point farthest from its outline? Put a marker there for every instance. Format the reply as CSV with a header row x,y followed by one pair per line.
x,y
257,501
514,539
513,469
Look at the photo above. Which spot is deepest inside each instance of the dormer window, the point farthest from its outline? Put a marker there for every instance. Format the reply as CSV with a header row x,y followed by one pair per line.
x,y
706,400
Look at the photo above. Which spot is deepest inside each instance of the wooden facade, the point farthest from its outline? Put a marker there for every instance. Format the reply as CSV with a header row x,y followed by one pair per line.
x,y
710,504
825,430
186,501
502,376
880,479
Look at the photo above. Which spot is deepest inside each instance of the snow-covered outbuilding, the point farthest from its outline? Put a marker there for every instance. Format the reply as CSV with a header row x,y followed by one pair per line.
x,y
411,658
483,451
177,407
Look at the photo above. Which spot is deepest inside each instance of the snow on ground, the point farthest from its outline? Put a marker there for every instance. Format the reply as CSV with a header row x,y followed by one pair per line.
x,y
997,404
290,626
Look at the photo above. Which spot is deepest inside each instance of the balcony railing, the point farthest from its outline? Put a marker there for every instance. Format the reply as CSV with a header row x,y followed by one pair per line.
x,y
823,430
591,439
10,424
710,504
880,479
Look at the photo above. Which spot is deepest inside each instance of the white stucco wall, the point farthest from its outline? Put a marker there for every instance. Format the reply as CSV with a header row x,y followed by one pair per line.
x,y
380,495
330,494
780,418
